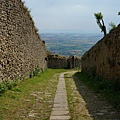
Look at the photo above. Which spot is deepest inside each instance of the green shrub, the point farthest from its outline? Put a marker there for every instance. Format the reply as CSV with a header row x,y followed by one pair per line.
x,y
7,85
35,72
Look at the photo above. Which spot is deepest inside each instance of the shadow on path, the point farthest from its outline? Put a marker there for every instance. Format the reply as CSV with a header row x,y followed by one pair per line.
x,y
97,107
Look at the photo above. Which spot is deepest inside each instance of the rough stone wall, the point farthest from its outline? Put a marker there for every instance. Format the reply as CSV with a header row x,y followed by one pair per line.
x,y
56,61
77,62
74,62
104,58
21,49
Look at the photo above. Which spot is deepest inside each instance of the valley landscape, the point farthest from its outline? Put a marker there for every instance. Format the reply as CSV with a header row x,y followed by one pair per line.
x,y
67,44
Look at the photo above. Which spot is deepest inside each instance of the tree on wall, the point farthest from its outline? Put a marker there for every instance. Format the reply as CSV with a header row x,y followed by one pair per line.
x,y
111,26
100,22
119,14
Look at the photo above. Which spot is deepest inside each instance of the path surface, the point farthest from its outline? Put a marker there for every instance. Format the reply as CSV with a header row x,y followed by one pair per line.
x,y
60,109
85,104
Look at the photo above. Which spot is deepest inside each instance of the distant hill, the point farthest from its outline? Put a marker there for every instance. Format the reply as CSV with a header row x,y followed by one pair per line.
x,y
70,43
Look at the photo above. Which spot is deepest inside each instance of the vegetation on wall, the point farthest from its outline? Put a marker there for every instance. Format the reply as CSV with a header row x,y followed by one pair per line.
x,y
111,26
36,72
100,22
7,85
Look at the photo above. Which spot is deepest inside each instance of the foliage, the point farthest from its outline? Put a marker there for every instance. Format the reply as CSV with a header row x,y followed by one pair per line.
x,y
7,85
109,89
118,13
98,17
111,26
100,22
36,72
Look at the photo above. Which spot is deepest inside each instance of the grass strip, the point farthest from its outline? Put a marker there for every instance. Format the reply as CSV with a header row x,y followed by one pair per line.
x,y
30,99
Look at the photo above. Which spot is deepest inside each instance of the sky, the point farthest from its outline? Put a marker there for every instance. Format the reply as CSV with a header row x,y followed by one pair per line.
x,y
72,15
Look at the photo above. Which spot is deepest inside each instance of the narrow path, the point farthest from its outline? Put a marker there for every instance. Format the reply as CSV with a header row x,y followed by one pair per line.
x,y
60,108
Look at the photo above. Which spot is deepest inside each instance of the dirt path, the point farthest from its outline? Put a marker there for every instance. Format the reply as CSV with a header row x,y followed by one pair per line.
x,y
85,104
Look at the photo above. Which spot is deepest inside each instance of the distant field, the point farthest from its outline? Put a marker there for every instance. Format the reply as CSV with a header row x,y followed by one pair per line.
x,y
69,43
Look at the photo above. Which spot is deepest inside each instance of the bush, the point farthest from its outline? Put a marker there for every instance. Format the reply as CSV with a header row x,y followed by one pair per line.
x,y
7,85
36,72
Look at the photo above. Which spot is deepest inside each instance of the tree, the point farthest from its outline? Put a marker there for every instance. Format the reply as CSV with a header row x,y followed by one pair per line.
x,y
100,22
111,26
118,13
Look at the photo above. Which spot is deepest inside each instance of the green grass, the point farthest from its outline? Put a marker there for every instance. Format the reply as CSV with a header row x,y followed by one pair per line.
x,y
109,89
69,95
7,85
31,95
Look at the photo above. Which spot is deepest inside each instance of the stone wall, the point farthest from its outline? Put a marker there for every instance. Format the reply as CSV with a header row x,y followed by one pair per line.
x,y
77,62
21,49
56,61
103,59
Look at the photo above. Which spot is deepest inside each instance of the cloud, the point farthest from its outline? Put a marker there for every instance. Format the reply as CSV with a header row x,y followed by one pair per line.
x,y
72,14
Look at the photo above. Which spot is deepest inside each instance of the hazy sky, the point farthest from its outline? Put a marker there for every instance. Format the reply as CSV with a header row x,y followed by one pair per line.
x,y
72,15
